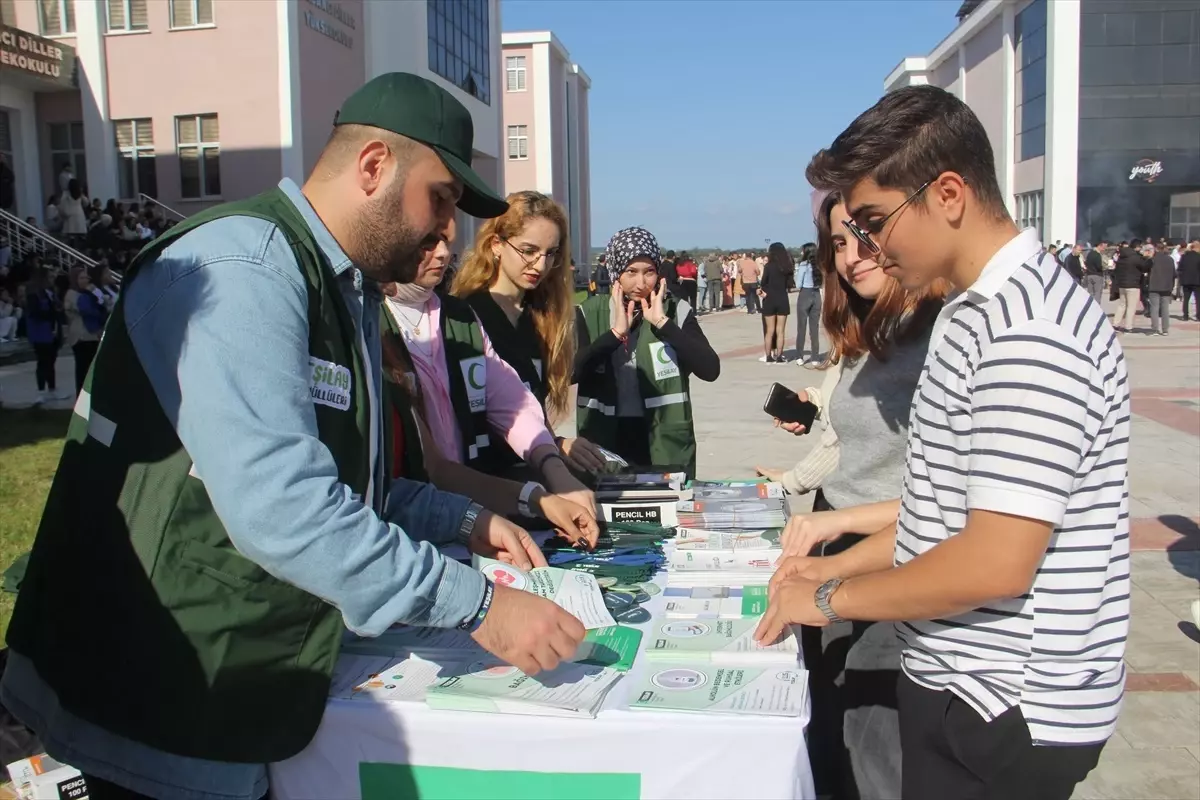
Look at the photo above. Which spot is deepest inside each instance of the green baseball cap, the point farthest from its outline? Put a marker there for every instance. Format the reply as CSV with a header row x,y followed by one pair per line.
x,y
421,110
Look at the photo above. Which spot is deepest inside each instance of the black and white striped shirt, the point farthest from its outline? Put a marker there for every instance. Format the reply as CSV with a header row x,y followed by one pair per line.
x,y
1023,409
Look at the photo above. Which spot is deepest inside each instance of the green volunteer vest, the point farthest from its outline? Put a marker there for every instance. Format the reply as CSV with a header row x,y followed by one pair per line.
x,y
663,385
136,609
466,368
521,349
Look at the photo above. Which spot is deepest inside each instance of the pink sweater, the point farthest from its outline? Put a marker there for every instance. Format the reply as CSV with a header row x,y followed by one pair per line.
x,y
512,410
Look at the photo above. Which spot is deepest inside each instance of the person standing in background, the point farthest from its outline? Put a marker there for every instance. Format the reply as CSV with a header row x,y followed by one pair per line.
x,y
1189,278
773,289
808,303
668,273
1160,283
713,290
86,312
1074,263
688,274
748,271
43,317
1093,273
1127,278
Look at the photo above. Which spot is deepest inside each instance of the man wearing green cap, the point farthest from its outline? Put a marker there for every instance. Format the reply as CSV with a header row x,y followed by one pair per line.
x,y
218,516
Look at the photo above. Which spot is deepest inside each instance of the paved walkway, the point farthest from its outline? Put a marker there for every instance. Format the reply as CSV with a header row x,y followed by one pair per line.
x,y
1156,752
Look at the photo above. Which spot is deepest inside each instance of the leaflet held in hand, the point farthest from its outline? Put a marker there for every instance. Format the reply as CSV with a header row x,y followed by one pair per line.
x,y
574,591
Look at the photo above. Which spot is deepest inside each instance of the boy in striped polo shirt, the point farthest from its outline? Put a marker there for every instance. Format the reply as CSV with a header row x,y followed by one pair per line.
x,y
1007,568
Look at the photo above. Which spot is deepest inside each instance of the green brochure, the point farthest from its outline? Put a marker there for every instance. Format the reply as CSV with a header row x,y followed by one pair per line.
x,y
720,641
489,685
708,688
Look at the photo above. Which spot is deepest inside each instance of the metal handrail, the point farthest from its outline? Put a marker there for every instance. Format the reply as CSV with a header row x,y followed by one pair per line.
x,y
47,241
147,198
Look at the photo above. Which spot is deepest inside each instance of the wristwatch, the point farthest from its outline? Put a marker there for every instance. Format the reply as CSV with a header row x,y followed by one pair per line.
x,y
824,593
468,523
523,507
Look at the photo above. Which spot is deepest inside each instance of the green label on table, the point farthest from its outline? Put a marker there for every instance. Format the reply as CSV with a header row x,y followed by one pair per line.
x,y
407,782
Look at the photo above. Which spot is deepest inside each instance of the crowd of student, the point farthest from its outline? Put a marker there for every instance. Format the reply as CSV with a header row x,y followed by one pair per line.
x,y
270,452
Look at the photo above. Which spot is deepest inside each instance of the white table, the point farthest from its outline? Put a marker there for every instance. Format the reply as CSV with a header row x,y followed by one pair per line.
x,y
678,755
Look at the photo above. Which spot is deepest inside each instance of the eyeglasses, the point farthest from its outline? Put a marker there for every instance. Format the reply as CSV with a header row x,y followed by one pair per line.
x,y
864,236
527,260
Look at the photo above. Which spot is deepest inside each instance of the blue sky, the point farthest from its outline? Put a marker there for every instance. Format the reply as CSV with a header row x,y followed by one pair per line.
x,y
704,113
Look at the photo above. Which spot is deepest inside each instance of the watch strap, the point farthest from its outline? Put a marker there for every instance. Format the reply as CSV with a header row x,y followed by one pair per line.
x,y
824,594
470,517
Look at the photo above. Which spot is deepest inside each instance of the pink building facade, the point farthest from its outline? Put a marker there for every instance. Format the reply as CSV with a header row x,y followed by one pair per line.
x,y
194,102
546,128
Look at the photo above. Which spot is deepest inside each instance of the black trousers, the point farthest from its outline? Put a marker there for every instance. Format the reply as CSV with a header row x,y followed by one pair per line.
x,y
84,352
950,751
1190,294
46,355
853,735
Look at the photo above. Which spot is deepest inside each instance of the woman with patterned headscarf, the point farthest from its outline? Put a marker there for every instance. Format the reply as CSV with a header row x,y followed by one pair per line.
x,y
636,352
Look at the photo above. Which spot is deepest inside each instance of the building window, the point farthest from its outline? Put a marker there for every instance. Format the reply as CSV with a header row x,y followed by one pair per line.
x,y
57,17
518,142
127,15
1184,223
190,13
135,153
515,67
1030,38
67,149
198,144
1029,211
460,45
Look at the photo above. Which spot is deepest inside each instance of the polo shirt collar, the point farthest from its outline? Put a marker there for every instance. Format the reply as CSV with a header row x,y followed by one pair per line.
x,y
1004,263
333,251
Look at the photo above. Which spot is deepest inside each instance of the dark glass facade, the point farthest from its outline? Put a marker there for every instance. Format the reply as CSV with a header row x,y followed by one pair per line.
x,y
460,45
1030,45
1139,115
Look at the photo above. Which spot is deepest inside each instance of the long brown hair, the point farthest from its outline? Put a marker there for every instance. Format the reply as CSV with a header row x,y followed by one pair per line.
x,y
856,325
550,303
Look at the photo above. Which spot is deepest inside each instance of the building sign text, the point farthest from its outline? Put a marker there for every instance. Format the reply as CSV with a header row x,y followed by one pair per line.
x,y
36,56
327,28
1146,169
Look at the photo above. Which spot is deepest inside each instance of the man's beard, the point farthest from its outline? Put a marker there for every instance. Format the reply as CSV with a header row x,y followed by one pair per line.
x,y
389,248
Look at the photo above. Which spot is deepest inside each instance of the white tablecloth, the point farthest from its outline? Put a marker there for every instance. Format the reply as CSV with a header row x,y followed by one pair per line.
x,y
678,755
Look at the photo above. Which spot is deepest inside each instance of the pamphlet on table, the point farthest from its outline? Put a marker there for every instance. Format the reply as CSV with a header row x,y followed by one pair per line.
x,y
720,641
492,686
708,688
574,591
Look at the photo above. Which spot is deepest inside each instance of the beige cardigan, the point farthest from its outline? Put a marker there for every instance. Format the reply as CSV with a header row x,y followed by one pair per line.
x,y
808,474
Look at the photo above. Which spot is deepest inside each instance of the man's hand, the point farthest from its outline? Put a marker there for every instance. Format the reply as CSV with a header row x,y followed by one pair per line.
x,y
803,567
527,631
495,537
581,455
573,521
806,531
793,603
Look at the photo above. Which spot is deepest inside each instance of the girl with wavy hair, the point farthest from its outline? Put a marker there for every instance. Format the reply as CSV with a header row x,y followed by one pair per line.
x,y
878,338
518,281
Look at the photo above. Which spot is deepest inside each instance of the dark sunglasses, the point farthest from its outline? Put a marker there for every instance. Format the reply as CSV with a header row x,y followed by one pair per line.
x,y
864,234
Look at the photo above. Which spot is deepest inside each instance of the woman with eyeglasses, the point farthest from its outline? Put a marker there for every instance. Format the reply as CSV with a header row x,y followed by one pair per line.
x,y
636,353
878,338
517,281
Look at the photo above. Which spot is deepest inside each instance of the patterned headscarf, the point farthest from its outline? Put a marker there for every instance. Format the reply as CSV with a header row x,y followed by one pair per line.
x,y
625,246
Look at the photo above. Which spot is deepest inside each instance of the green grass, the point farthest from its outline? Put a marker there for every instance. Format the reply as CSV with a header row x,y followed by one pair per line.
x,y
30,443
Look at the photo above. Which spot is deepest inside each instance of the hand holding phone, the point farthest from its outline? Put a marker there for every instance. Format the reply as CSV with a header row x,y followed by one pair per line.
x,y
790,408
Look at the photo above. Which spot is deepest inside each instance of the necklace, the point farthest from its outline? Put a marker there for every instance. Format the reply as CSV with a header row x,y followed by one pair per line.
x,y
410,329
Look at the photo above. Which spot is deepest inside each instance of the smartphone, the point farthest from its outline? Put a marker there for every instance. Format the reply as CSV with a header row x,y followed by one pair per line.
x,y
784,404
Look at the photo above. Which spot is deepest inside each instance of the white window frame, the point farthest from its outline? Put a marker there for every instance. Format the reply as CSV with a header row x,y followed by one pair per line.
x,y
515,74
63,7
200,146
195,4
127,5
136,151
518,135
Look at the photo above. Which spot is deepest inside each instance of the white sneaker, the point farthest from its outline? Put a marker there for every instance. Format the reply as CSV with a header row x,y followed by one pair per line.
x,y
762,359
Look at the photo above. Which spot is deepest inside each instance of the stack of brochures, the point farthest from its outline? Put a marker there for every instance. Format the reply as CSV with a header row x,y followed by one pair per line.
x,y
447,669
723,558
732,513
